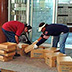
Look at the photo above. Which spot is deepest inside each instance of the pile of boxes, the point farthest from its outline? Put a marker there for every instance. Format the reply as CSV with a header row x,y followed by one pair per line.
x,y
64,64
53,58
7,51
52,55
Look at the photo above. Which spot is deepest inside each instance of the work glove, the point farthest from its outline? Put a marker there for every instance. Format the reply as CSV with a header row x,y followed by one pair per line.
x,y
36,41
20,45
35,46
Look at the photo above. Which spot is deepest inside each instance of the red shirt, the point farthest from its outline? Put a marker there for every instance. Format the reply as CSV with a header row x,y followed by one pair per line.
x,y
14,26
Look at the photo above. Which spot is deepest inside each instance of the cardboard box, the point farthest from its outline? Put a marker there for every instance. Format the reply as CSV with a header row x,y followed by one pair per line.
x,y
37,53
24,46
4,70
51,50
64,64
7,45
9,50
20,51
8,54
30,47
51,58
3,58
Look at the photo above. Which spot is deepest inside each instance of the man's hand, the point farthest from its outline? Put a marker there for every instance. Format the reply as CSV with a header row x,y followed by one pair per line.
x,y
35,46
16,38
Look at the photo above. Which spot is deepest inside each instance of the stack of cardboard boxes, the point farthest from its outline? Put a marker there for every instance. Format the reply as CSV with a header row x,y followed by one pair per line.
x,y
51,55
7,51
51,58
64,64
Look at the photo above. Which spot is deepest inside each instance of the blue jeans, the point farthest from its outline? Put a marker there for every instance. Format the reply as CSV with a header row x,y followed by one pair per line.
x,y
10,36
61,39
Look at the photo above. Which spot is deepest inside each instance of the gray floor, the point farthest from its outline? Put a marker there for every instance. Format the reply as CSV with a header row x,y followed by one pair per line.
x,y
26,64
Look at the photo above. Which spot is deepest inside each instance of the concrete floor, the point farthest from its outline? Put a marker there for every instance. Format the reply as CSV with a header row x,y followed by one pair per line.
x,y
26,64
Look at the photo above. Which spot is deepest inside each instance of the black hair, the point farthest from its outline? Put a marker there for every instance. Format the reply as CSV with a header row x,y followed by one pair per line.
x,y
28,26
42,23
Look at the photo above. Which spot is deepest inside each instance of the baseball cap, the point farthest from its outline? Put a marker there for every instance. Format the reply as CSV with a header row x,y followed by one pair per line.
x,y
28,27
41,25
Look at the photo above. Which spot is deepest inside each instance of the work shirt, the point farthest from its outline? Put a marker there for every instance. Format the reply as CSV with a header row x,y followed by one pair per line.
x,y
55,29
14,26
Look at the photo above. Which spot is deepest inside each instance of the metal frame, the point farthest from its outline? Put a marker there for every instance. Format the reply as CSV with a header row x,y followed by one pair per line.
x,y
9,10
27,11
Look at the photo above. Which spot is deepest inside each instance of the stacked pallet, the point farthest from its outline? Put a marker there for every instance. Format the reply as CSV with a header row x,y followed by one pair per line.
x,y
7,51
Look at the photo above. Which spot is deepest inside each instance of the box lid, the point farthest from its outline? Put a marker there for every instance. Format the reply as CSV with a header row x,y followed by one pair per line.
x,y
7,45
51,55
52,49
66,60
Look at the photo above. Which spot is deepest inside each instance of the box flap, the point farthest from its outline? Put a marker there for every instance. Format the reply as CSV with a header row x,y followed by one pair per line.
x,y
66,60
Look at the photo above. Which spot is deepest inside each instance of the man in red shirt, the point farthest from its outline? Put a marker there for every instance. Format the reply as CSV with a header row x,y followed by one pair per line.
x,y
13,30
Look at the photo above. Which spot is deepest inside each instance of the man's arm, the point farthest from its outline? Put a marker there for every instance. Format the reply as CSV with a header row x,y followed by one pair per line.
x,y
17,39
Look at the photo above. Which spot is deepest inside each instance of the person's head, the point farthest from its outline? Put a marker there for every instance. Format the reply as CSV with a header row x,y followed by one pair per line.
x,y
41,26
28,28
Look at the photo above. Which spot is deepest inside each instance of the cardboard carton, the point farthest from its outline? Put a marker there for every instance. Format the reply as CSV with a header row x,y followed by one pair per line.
x,y
7,45
64,64
30,47
64,60
37,53
21,50
4,70
51,50
8,54
51,58
3,58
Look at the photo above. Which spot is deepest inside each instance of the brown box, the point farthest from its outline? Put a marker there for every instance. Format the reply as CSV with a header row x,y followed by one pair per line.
x,y
7,45
4,70
3,58
37,53
9,50
21,50
30,47
51,58
51,50
24,46
8,54
64,64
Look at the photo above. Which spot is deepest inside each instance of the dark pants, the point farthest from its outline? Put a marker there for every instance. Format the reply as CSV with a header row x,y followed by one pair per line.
x,y
10,36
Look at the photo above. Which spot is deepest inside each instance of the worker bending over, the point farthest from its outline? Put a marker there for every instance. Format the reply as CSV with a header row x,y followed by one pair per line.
x,y
58,31
13,30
